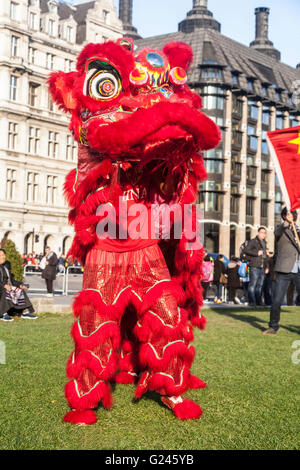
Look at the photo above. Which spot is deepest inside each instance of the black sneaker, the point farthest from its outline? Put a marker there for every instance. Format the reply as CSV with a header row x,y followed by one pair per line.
x,y
6,317
29,316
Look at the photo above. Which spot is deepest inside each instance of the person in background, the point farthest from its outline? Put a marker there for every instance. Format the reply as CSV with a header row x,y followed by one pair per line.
x,y
61,264
287,265
48,266
256,251
233,280
208,275
269,279
13,297
218,271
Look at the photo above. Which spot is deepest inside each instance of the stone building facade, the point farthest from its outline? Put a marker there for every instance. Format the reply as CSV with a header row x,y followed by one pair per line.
x,y
247,91
36,148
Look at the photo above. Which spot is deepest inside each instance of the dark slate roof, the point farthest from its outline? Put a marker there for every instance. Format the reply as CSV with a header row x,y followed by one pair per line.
x,y
210,47
64,10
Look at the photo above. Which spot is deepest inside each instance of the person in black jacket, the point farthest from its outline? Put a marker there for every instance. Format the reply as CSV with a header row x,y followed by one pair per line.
x,y
49,263
256,251
218,271
233,280
13,297
287,265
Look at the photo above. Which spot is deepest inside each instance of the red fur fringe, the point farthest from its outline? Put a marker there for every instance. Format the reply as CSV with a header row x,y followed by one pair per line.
x,y
188,409
80,417
158,290
195,383
148,358
87,360
101,392
125,378
109,331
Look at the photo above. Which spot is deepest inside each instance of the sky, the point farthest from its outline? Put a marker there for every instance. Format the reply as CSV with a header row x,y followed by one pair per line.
x,y
155,17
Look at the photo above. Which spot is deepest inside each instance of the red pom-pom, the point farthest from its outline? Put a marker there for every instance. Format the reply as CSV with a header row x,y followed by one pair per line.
x,y
188,409
86,417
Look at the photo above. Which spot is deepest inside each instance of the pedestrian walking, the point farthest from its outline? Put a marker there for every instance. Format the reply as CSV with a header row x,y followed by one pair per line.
x,y
256,252
219,277
48,265
233,280
208,275
287,265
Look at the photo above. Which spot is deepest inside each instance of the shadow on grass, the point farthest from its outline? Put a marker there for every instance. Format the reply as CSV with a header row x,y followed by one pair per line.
x,y
256,322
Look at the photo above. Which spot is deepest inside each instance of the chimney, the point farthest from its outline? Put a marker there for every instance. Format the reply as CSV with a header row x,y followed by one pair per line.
x,y
125,15
199,17
262,42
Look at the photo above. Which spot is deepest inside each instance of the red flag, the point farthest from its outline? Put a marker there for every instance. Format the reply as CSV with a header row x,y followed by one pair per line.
x,y
285,151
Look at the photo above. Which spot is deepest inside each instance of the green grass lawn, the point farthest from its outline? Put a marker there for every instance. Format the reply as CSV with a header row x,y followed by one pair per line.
x,y
251,401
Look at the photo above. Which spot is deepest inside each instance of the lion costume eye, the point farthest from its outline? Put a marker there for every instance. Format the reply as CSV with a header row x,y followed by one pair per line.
x,y
102,84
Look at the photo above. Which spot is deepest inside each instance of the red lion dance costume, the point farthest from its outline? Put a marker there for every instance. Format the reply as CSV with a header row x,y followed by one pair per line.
x,y
140,131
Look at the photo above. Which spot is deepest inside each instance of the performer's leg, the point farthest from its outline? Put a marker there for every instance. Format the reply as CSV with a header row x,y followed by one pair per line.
x,y
165,334
96,334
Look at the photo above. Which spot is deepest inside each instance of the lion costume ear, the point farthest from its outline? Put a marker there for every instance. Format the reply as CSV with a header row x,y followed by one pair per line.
x,y
179,54
61,89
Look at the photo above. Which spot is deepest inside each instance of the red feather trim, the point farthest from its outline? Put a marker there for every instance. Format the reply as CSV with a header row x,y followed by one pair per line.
x,y
125,378
195,383
155,292
149,357
87,360
81,417
105,332
165,385
188,409
100,392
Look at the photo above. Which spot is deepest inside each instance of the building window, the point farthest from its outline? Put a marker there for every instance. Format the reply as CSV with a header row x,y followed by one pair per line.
x,y
31,55
237,105
52,144
68,65
51,196
71,148
12,135
213,166
32,187
279,122
236,169
13,88
278,202
105,16
293,121
252,111
211,72
14,46
34,140
266,118
264,147
33,94
13,10
32,20
51,27
11,178
249,206
252,142
264,204
69,33
50,61
50,103
265,177
213,102
251,173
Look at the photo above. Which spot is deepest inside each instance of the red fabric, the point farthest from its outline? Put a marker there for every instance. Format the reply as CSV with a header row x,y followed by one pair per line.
x,y
286,156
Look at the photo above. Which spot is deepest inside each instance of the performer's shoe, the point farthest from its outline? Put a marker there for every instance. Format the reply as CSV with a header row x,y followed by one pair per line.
x,y
81,418
182,408
270,331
